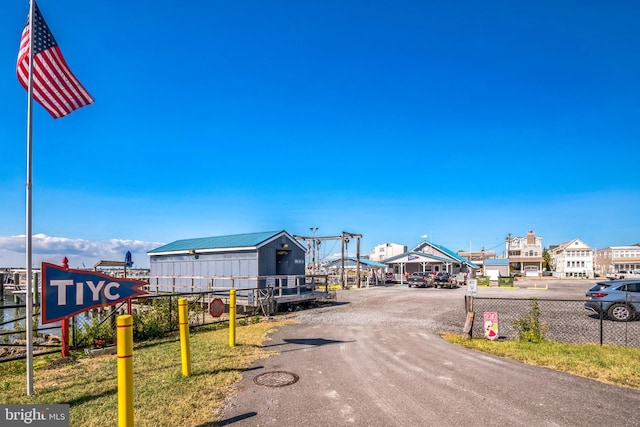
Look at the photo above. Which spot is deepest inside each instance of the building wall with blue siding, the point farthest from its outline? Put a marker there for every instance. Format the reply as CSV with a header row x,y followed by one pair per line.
x,y
220,266
271,264
185,272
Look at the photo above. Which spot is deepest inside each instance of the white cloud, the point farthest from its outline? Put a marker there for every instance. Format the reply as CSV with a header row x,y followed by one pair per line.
x,y
81,253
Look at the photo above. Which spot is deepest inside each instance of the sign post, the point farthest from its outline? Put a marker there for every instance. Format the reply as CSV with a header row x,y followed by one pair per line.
x,y
472,291
128,263
65,322
472,287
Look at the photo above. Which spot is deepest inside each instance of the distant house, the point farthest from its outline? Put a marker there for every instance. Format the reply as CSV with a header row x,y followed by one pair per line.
x,y
240,260
525,254
572,259
386,250
615,258
478,257
496,268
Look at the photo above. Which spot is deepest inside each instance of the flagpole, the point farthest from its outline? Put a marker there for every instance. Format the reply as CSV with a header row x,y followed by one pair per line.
x,y
29,280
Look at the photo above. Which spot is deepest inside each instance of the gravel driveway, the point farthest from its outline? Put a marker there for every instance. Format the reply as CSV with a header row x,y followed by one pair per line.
x,y
375,359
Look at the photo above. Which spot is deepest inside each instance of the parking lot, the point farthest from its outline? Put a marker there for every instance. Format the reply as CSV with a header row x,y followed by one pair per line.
x,y
548,288
374,358
562,312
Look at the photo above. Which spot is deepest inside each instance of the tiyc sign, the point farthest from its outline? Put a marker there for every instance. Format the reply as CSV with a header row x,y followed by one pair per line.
x,y
67,292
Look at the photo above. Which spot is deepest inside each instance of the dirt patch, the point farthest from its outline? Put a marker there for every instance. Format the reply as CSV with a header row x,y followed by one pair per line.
x,y
62,362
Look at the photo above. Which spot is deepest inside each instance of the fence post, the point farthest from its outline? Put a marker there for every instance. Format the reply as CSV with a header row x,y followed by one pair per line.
x,y
36,291
601,323
170,320
185,349
72,328
232,318
114,321
468,326
125,371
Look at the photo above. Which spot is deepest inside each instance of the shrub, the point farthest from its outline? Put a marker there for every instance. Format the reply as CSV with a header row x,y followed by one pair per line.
x,y
529,327
154,319
96,333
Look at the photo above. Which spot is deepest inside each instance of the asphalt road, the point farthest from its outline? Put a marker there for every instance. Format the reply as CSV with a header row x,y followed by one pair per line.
x,y
375,359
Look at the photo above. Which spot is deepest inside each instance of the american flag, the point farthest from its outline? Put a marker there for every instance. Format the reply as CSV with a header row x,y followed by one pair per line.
x,y
54,85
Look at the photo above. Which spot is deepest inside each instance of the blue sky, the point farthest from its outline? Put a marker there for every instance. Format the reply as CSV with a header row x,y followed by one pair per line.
x,y
461,120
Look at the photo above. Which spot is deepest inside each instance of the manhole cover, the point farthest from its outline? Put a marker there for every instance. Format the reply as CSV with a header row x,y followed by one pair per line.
x,y
276,379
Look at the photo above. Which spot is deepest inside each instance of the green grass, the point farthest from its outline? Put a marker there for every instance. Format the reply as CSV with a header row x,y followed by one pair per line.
x,y
162,395
616,365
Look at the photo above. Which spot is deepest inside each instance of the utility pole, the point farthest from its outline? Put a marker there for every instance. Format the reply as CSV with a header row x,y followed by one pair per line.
x,y
342,257
509,251
313,250
358,260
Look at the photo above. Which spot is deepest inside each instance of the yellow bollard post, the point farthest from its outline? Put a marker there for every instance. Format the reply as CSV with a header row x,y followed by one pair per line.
x,y
125,370
232,318
185,348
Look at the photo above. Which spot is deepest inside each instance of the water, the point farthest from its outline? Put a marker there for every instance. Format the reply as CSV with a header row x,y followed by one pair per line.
x,y
9,314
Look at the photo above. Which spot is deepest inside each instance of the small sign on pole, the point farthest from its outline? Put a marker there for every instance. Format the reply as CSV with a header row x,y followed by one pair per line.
x,y
472,287
216,307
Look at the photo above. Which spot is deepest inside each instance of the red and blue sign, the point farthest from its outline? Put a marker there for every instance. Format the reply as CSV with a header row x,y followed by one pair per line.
x,y
67,292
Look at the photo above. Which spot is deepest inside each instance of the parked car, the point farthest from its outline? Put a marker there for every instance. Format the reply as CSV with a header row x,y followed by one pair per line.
x,y
443,279
419,280
616,299
624,274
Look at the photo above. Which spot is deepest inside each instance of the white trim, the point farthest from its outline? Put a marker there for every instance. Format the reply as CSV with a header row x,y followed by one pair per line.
x,y
204,251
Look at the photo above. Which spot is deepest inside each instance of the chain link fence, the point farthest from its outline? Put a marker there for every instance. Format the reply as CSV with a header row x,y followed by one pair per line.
x,y
565,321
154,316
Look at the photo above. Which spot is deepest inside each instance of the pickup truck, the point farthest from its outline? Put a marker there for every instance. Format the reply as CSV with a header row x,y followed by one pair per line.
x,y
443,279
624,274
419,280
